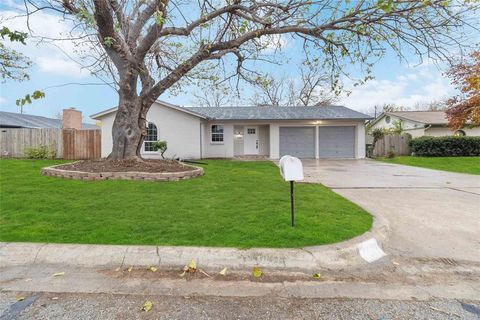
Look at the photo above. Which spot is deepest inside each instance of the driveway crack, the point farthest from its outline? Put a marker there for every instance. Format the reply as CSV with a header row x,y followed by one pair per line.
x,y
460,190
38,252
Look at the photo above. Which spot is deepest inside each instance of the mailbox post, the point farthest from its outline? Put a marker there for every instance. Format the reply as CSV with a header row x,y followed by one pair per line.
x,y
291,169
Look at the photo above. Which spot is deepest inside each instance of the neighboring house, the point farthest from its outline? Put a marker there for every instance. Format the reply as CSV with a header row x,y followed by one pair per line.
x,y
421,123
19,120
226,132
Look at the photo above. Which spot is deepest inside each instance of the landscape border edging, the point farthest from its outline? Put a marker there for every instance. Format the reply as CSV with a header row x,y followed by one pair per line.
x,y
53,171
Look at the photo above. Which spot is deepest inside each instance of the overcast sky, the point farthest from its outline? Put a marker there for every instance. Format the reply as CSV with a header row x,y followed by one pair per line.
x,y
404,83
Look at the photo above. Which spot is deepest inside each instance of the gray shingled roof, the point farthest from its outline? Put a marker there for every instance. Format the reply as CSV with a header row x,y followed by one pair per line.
x,y
18,120
427,117
279,113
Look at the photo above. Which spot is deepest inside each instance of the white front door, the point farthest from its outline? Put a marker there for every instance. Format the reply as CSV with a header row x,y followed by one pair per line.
x,y
250,140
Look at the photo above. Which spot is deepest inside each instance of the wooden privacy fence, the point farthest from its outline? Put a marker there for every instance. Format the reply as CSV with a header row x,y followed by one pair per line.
x,y
67,143
398,143
81,144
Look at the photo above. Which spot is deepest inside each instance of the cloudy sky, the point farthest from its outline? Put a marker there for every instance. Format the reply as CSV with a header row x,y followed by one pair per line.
x,y
66,84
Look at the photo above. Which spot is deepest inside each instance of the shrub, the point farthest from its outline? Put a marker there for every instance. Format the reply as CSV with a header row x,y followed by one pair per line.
x,y
377,135
445,146
161,145
40,152
390,154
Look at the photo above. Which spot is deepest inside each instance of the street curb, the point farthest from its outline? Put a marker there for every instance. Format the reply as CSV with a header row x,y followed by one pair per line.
x,y
338,255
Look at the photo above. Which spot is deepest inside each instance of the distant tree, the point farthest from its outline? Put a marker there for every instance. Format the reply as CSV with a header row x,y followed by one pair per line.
x,y
431,106
273,92
464,109
312,88
215,96
377,110
316,88
14,65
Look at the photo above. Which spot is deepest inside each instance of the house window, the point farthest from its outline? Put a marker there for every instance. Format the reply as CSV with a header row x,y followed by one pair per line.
x,y
387,119
150,138
217,133
251,130
460,133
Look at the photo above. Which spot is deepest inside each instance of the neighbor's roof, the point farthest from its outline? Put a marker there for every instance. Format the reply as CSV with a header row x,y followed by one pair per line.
x,y
15,120
427,117
264,113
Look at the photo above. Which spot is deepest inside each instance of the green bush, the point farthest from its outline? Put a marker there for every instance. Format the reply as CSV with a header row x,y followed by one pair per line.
x,y
445,146
40,152
161,145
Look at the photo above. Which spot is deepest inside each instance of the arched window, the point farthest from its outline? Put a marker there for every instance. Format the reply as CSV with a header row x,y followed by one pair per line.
x,y
387,119
151,137
460,133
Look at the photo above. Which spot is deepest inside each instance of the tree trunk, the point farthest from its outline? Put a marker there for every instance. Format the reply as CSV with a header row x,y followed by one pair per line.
x,y
129,129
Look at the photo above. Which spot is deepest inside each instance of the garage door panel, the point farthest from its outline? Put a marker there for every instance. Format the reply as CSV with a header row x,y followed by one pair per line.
x,y
336,142
297,141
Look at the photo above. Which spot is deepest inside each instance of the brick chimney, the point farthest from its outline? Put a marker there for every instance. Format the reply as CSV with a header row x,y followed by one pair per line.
x,y
72,119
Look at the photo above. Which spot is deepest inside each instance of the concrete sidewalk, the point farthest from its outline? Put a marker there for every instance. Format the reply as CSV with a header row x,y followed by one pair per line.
x,y
347,253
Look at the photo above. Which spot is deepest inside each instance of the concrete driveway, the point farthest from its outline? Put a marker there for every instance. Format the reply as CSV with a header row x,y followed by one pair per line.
x,y
431,214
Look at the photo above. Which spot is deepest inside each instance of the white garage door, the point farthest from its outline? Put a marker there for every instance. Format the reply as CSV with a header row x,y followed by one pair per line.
x,y
297,141
336,142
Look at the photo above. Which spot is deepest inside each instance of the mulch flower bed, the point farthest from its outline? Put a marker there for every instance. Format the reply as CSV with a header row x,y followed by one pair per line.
x,y
102,165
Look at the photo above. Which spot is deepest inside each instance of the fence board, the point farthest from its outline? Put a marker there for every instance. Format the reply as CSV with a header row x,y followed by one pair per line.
x,y
67,143
396,143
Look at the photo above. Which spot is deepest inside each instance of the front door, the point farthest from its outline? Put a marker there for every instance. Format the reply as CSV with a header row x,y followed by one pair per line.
x,y
251,140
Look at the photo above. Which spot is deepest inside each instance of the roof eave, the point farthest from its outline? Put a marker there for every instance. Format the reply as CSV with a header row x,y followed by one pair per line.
x,y
100,114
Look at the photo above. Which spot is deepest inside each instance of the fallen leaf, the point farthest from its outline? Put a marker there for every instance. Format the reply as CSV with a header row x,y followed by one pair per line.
x,y
257,272
153,269
192,265
20,298
55,298
118,269
223,272
130,269
59,274
147,306
28,279
317,275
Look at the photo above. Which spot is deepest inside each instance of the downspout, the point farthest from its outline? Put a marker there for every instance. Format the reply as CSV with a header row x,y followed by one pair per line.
x,y
201,141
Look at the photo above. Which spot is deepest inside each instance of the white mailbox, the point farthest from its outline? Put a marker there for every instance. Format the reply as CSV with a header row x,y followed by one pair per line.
x,y
291,168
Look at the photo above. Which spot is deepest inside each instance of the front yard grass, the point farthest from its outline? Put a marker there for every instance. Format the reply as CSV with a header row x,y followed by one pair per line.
x,y
469,165
236,204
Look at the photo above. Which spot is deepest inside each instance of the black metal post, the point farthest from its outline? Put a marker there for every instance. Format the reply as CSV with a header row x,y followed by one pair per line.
x,y
292,203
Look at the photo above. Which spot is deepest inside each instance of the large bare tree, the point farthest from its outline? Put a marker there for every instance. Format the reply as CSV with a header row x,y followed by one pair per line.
x,y
151,46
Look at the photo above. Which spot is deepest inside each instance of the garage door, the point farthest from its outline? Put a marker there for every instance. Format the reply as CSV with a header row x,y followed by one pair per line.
x,y
336,142
297,141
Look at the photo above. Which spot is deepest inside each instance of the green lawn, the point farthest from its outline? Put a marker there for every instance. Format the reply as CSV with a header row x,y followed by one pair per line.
x,y
469,165
236,204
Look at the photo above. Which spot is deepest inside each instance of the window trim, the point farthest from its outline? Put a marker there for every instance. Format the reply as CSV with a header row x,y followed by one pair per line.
x,y
223,133
143,146
460,133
